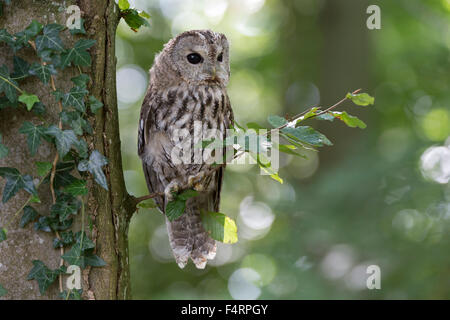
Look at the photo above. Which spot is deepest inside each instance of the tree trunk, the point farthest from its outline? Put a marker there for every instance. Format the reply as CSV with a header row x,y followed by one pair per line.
x,y
108,211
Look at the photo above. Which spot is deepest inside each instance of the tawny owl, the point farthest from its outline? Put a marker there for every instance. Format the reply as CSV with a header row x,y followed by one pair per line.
x,y
186,96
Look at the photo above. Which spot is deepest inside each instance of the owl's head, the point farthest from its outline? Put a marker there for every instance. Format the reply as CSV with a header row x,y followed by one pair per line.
x,y
199,56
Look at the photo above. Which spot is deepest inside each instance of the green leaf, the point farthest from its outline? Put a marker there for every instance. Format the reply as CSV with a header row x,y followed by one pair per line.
x,y
3,149
276,121
219,226
21,69
308,135
50,39
144,14
64,139
43,168
14,182
361,99
35,199
94,166
134,19
147,204
7,84
7,38
3,291
325,116
77,188
94,260
65,206
22,37
187,194
3,233
94,104
78,54
43,275
74,98
28,99
254,126
81,80
34,135
349,120
67,238
29,215
81,253
289,149
42,71
124,4
175,209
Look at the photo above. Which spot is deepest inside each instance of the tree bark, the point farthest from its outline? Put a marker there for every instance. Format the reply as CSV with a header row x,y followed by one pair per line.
x,y
109,210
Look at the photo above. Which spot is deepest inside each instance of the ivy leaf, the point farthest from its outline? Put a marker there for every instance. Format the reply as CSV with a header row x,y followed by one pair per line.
x,y
3,149
65,206
94,166
276,121
81,30
176,207
124,4
43,168
42,71
67,238
94,104
2,234
64,139
81,80
81,253
134,19
78,54
29,215
22,37
6,37
349,120
7,84
34,135
43,275
21,68
62,176
33,29
28,99
360,99
308,135
219,226
50,38
3,291
77,188
74,120
74,98
14,182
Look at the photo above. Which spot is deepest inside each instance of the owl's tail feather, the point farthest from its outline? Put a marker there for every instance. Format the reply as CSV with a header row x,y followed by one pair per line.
x,y
189,239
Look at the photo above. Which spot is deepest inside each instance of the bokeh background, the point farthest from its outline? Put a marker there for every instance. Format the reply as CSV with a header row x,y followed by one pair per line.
x,y
378,196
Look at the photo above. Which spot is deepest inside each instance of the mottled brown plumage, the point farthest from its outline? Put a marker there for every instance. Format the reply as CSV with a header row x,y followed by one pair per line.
x,y
186,96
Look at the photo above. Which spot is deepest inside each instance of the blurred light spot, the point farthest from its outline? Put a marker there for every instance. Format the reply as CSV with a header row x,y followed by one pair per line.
x,y
188,21
273,190
131,85
436,124
224,254
244,284
393,143
283,285
412,224
303,264
356,279
438,211
305,168
422,105
302,95
215,9
435,164
256,218
124,52
263,264
337,261
251,6
160,246
170,8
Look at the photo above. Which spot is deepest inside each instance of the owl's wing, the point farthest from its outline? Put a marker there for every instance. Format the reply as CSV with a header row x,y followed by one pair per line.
x,y
148,145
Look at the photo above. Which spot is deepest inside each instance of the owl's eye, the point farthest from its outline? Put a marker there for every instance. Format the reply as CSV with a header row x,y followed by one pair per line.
x,y
194,58
220,57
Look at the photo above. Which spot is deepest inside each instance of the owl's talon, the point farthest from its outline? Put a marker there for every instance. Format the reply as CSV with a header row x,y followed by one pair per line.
x,y
194,181
170,189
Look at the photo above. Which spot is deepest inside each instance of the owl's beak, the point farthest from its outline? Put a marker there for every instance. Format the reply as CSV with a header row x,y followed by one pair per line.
x,y
212,73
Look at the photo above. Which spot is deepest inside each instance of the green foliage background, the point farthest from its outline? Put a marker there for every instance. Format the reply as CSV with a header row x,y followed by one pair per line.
x,y
361,201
